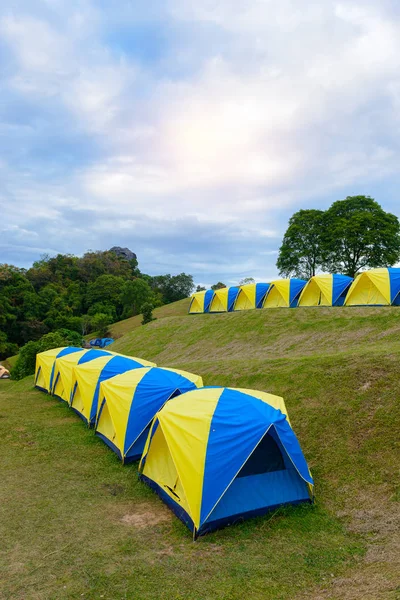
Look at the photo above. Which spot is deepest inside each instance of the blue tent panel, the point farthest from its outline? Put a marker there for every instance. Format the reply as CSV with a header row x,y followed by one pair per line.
x,y
295,289
241,417
91,355
208,296
115,366
152,392
232,294
257,493
394,277
340,285
261,290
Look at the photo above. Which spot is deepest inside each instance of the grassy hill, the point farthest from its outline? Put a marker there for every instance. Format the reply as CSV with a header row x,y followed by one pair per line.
x,y
75,523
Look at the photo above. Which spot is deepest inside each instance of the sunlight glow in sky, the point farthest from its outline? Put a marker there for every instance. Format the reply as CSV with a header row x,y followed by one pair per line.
x,y
190,131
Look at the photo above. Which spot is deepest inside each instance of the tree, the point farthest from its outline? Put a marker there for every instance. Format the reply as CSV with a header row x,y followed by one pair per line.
x,y
173,287
100,323
6,348
133,295
302,250
218,286
246,280
106,288
359,234
200,288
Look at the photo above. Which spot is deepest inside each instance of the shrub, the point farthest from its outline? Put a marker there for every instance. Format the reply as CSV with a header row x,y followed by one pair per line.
x,y
147,311
26,361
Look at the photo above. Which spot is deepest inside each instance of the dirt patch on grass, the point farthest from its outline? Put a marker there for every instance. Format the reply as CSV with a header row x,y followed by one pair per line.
x,y
365,386
113,489
144,517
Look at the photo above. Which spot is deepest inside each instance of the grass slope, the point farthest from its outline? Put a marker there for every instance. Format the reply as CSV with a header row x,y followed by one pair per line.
x,y
75,523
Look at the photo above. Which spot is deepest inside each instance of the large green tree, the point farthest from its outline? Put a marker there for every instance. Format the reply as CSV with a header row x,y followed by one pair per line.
x,y
358,233
301,252
173,287
133,295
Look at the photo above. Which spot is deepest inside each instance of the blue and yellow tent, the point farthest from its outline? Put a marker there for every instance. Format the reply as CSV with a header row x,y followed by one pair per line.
x,y
219,455
44,371
325,290
63,368
284,293
87,377
128,403
251,295
224,299
200,302
377,287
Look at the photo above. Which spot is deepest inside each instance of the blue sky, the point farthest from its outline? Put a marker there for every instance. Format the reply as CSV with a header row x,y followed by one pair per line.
x,y
190,131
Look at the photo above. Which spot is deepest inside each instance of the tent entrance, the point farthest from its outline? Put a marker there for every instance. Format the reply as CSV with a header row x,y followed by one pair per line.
x,y
266,458
266,480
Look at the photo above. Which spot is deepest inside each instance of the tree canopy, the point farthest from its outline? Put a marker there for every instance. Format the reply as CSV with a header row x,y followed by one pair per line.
x,y
350,236
359,234
301,252
79,294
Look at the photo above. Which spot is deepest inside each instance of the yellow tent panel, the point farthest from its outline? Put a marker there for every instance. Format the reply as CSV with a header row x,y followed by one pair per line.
x,y
219,302
246,298
317,292
63,369
278,295
197,303
44,366
369,288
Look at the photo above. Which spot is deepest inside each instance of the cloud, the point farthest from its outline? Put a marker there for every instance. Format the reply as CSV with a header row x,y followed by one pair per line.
x,y
194,154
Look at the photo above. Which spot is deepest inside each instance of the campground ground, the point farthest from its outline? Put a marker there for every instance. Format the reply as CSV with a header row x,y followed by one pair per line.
x,y
75,523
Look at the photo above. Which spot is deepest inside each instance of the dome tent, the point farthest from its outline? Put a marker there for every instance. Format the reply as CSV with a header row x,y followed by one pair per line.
x,y
217,455
284,293
251,295
63,367
45,361
377,287
224,299
87,377
128,403
200,302
325,290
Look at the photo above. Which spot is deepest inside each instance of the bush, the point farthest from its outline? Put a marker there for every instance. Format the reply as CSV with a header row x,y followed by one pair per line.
x,y
26,361
147,311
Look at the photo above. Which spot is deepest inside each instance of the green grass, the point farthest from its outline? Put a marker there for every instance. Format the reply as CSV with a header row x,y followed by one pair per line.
x,y
75,523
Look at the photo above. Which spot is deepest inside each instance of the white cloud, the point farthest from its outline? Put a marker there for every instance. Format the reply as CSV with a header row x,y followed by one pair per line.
x,y
287,104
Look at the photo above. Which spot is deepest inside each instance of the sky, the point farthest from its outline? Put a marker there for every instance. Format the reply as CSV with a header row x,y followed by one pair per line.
x,y
191,130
